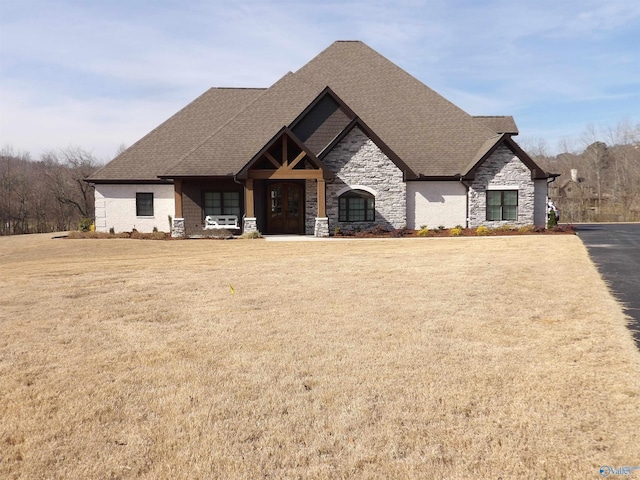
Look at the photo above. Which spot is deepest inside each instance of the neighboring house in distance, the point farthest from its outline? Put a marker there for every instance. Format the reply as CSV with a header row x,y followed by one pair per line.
x,y
348,141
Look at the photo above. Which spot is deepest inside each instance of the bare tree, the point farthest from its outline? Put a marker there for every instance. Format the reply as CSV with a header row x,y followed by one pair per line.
x,y
67,170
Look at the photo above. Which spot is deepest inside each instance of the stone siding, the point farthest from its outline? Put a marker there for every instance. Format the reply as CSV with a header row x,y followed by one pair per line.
x,y
357,160
311,206
502,168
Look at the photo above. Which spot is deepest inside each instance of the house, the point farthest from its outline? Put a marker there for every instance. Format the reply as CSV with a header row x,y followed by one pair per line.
x,y
348,141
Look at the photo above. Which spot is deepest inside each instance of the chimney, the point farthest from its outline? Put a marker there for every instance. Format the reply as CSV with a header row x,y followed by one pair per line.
x,y
574,175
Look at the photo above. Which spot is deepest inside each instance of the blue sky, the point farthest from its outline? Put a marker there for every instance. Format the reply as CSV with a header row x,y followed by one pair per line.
x,y
99,74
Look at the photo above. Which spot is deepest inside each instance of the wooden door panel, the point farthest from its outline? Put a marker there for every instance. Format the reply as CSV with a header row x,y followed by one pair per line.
x,y
285,208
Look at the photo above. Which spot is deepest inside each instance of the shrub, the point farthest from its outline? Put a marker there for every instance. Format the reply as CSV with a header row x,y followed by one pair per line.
x,y
455,232
482,230
526,229
251,235
112,231
336,231
85,225
460,227
423,232
155,229
553,221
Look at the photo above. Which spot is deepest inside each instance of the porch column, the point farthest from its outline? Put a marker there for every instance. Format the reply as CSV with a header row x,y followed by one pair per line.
x,y
178,197
321,198
177,227
250,224
322,222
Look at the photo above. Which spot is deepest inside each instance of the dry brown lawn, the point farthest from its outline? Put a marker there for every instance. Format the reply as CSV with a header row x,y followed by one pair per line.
x,y
414,358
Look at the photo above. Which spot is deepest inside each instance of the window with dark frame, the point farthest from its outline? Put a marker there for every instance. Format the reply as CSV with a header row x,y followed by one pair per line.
x,y
502,205
222,203
144,204
356,206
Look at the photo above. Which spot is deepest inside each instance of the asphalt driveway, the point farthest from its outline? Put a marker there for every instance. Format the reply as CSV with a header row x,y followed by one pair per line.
x,y
615,249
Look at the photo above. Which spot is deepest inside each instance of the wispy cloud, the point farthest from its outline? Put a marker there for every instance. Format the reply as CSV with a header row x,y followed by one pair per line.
x,y
97,74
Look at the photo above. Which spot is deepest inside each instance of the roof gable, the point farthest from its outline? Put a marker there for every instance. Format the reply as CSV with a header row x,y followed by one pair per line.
x,y
491,145
322,121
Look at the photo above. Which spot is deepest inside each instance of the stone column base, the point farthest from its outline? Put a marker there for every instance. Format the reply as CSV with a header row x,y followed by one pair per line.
x,y
250,224
177,230
321,227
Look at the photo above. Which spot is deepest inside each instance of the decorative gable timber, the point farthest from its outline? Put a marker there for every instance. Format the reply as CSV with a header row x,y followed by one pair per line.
x,y
491,145
285,156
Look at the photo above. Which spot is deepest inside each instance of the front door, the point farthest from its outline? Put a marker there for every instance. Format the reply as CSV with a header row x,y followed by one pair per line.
x,y
285,208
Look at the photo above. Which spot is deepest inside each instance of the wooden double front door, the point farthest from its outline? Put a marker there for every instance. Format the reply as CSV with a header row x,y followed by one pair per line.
x,y
285,208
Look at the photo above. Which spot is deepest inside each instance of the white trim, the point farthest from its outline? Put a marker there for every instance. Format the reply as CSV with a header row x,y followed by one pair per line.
x,y
356,187
503,187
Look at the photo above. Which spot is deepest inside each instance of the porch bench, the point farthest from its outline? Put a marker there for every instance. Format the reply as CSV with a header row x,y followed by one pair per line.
x,y
229,222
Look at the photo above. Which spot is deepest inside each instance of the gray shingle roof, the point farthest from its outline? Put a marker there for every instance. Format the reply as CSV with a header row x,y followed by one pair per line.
x,y
219,133
173,139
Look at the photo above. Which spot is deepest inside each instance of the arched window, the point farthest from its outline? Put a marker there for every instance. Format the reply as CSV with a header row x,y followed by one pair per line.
x,y
356,206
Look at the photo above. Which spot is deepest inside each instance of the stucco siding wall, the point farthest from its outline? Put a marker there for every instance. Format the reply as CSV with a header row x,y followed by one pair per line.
x,y
436,204
501,169
540,206
116,208
357,160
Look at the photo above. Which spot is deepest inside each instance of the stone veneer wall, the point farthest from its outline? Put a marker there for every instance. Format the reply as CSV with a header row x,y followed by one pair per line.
x,y
357,160
501,168
311,206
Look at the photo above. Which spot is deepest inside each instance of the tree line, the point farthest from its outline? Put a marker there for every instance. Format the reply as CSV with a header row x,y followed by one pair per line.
x,y
600,173
45,195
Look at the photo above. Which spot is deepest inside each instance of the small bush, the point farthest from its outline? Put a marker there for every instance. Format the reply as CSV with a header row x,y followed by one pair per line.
x,y
112,231
336,231
455,232
423,232
85,225
460,227
526,229
251,235
482,230
553,221
155,229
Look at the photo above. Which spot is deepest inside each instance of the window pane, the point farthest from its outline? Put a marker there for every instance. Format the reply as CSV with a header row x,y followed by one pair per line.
x,y
494,212
493,197
342,209
212,203
356,209
231,203
509,212
371,210
510,197
144,204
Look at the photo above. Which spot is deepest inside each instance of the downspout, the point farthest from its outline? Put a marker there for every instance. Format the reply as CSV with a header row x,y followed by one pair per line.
x,y
466,185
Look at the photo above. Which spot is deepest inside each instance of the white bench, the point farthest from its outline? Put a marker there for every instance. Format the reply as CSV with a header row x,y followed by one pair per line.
x,y
212,222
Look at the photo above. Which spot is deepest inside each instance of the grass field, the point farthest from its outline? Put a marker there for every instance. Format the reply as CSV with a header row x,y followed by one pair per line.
x,y
415,358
